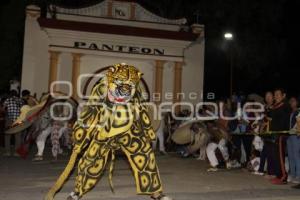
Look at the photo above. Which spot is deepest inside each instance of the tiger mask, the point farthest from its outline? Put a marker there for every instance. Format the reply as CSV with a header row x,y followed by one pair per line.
x,y
122,83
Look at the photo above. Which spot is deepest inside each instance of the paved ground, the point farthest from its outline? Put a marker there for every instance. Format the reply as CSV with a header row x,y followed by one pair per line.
x,y
184,179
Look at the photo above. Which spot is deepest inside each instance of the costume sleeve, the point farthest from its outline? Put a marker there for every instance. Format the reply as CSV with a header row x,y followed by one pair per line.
x,y
148,129
143,115
86,125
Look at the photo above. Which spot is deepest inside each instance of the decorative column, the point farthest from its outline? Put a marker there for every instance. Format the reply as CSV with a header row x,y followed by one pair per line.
x,y
159,69
132,11
54,56
33,11
177,84
75,73
109,8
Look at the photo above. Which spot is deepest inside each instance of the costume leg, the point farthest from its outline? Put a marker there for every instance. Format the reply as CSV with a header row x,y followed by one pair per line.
x,y
202,154
223,148
297,156
142,161
154,144
296,141
211,154
68,141
18,140
7,138
161,139
55,140
61,131
41,140
65,133
7,143
271,157
291,156
90,167
263,158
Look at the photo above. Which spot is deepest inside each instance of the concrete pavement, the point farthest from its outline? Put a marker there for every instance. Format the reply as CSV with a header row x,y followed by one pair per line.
x,y
184,179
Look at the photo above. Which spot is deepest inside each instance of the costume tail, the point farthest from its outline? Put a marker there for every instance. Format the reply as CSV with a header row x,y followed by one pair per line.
x,y
63,177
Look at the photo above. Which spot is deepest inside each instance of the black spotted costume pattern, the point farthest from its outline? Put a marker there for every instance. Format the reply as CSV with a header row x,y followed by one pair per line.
x,y
114,118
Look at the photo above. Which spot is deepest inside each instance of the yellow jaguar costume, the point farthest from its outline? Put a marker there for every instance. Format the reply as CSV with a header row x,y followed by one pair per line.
x,y
114,118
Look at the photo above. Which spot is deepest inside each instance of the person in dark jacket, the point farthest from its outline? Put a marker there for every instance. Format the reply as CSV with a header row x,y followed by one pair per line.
x,y
12,107
280,118
267,148
293,145
297,128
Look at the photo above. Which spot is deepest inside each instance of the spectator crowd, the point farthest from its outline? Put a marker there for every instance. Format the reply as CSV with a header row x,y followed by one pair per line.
x,y
267,146
15,109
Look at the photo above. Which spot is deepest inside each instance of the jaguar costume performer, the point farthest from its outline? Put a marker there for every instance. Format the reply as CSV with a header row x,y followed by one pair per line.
x,y
114,118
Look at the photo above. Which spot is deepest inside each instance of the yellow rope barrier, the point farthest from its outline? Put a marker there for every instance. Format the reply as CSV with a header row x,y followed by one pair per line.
x,y
290,132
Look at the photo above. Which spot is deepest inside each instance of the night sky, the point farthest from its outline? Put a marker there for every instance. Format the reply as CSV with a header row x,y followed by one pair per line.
x,y
260,45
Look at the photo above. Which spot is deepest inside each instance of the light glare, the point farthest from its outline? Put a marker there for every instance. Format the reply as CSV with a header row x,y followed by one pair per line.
x,y
228,36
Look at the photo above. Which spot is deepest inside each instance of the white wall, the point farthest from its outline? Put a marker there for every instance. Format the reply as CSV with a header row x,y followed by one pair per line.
x,y
64,71
35,67
168,81
193,72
